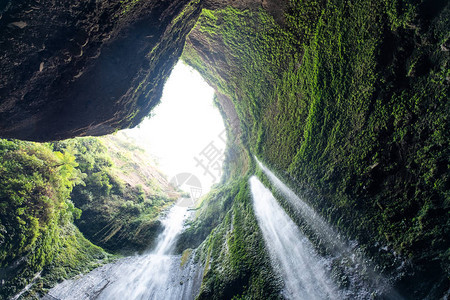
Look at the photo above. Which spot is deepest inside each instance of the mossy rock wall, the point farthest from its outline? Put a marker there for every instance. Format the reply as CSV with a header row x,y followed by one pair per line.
x,y
348,103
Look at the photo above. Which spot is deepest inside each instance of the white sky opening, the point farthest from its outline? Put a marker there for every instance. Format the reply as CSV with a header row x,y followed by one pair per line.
x,y
185,132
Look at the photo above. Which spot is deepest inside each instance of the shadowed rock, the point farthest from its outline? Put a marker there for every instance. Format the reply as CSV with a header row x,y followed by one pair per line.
x,y
74,68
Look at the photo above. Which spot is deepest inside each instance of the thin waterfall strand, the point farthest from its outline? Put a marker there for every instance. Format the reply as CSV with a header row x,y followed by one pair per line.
x,y
363,280
315,221
303,271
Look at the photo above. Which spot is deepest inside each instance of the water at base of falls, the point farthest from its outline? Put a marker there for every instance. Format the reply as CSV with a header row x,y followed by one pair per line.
x,y
304,273
155,275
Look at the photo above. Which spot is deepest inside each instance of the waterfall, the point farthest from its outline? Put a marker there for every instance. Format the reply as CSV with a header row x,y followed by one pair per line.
x,y
155,275
304,272
362,281
314,220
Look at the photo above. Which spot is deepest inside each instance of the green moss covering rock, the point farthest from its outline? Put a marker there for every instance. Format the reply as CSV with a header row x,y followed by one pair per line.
x,y
122,193
37,236
348,103
42,188
236,264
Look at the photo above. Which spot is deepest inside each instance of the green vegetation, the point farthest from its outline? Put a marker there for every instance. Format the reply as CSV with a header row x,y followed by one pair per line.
x,y
233,254
43,187
127,5
347,101
122,194
210,213
36,216
185,256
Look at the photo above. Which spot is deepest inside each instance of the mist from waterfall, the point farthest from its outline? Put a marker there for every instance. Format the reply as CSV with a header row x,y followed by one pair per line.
x,y
304,273
362,281
155,275
314,220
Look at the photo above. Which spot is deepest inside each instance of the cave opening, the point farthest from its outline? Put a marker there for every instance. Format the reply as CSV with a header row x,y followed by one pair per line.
x,y
185,133
343,102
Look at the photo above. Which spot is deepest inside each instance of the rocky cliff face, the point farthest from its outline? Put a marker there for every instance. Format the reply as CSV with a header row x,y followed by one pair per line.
x,y
276,8
73,68
347,104
346,100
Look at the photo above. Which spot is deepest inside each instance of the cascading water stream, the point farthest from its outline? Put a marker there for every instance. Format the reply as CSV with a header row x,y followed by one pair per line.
x,y
304,272
316,222
362,281
155,275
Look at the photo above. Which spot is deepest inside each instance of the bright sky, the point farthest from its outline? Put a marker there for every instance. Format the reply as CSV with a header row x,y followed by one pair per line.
x,y
185,126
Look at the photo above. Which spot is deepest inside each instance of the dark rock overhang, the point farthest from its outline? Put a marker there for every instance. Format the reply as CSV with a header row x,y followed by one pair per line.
x,y
74,68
